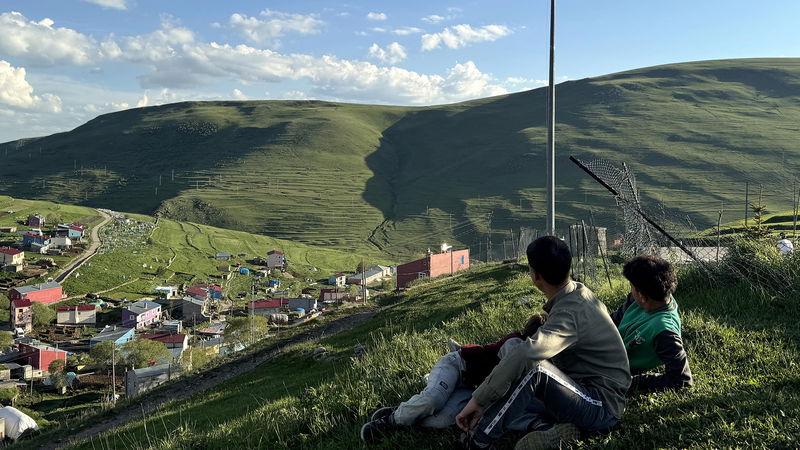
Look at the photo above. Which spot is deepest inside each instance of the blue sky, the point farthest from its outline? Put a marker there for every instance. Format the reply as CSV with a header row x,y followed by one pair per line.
x,y
63,62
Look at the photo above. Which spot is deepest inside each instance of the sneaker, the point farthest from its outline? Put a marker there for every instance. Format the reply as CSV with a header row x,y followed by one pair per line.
x,y
383,412
374,431
453,345
553,437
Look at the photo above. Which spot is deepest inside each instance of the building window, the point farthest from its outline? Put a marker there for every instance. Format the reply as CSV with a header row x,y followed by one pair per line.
x,y
462,259
420,275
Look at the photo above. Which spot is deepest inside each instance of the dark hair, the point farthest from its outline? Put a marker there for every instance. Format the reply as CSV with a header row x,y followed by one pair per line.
x,y
651,275
551,258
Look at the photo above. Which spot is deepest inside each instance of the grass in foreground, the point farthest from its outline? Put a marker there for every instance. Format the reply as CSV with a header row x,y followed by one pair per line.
x,y
743,349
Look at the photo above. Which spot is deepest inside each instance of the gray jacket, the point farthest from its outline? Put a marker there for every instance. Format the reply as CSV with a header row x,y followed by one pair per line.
x,y
580,339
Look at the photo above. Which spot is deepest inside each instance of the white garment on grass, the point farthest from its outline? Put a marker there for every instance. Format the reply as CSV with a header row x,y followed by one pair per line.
x,y
785,246
445,395
16,422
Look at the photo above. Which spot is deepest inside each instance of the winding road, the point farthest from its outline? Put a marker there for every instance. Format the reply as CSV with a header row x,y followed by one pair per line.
x,y
89,251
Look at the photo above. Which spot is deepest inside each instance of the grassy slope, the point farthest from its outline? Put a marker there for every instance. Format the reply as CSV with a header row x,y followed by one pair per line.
x,y
357,176
743,349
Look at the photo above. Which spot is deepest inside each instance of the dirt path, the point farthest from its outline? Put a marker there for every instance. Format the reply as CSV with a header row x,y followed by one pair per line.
x,y
206,380
89,252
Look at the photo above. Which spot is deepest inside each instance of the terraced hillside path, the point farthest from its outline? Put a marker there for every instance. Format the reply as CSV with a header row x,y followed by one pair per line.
x,y
208,379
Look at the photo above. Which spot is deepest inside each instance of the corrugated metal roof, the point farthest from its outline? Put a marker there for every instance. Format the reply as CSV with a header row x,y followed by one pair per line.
x,y
142,306
37,287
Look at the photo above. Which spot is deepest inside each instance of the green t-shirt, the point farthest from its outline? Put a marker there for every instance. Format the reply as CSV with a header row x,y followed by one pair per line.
x,y
639,329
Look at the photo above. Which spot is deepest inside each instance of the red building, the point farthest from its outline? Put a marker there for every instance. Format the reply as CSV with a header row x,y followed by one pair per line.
x,y
433,265
39,355
43,293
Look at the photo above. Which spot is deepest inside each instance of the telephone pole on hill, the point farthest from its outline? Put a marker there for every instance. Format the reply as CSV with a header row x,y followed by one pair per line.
x,y
551,129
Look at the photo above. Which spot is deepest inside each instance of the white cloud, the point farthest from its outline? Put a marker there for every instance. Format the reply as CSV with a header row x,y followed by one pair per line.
x,y
115,4
295,95
361,33
15,91
463,35
393,54
379,29
42,44
433,19
407,30
238,95
272,25
144,101
377,16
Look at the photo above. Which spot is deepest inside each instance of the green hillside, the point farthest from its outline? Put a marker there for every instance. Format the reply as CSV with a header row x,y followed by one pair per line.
x,y
135,258
397,180
742,348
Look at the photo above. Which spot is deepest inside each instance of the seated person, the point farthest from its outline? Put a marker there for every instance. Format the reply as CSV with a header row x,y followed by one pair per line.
x,y
650,326
449,385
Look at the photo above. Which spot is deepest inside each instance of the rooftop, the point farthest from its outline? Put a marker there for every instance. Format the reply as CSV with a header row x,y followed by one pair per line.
x,y
142,306
10,251
164,337
77,308
111,333
37,287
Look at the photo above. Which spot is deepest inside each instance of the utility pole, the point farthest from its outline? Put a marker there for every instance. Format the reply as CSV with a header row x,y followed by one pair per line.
x,y
746,201
795,198
113,373
719,223
551,129
489,238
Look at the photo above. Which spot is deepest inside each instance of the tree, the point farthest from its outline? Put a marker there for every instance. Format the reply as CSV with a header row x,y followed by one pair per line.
x,y
194,358
57,376
142,351
42,314
101,354
360,267
242,328
6,339
56,366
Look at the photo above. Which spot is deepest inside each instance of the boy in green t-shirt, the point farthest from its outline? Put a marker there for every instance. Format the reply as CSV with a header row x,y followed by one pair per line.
x,y
650,326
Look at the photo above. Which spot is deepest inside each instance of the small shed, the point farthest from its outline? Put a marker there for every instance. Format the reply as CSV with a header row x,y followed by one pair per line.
x,y
223,256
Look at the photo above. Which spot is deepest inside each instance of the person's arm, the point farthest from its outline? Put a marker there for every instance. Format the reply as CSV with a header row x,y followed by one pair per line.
x,y
677,375
616,316
554,336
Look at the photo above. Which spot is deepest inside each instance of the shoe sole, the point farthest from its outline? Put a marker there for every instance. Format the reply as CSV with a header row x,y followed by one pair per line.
x,y
560,433
382,412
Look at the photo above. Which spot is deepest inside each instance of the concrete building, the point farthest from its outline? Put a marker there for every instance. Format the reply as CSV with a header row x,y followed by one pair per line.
x,y
76,316
21,316
266,307
276,259
306,303
11,256
39,355
192,309
139,381
35,221
140,314
338,280
432,265
43,293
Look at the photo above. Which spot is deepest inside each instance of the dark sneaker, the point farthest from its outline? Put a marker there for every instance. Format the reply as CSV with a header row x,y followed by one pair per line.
x,y
467,442
383,412
553,437
374,431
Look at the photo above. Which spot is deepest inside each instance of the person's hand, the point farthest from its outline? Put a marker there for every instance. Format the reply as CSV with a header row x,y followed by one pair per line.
x,y
468,418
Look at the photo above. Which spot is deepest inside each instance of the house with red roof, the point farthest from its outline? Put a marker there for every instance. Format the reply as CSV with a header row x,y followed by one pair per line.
x,y
338,280
276,259
21,315
11,256
265,307
76,316
176,343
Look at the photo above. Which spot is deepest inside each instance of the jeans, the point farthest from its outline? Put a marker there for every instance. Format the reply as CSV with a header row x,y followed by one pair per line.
x,y
543,397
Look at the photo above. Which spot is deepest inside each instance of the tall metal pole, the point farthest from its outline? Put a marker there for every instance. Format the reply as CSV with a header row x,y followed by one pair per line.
x,y
551,129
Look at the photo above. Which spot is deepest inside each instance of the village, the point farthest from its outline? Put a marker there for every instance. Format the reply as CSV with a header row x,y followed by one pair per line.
x,y
70,344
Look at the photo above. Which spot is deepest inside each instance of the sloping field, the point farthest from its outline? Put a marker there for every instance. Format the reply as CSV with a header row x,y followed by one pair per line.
x,y
743,349
397,180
